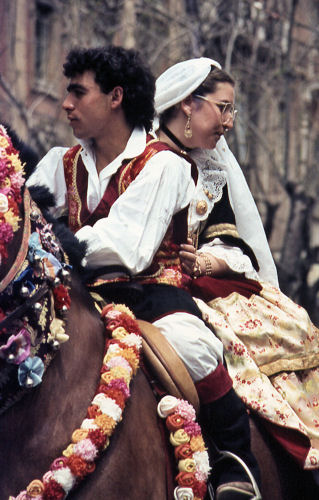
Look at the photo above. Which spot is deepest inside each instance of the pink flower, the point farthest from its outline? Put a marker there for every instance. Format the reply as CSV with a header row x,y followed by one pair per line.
x,y
192,429
6,232
119,361
120,385
186,410
86,449
17,180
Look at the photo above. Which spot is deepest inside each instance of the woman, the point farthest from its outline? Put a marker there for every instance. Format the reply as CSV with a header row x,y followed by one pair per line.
x,y
271,347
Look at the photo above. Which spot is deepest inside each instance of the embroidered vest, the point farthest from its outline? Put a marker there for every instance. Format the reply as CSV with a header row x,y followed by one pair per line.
x,y
165,267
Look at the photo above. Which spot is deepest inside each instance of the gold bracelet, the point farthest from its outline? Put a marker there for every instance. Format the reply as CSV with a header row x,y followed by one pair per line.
x,y
208,265
196,269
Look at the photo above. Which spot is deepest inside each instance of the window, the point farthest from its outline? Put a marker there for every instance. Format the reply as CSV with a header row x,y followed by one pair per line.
x,y
43,33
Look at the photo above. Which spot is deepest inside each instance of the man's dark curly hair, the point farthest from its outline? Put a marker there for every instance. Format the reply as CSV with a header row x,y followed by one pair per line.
x,y
115,66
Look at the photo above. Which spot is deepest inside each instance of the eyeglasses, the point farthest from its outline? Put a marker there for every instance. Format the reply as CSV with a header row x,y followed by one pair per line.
x,y
225,108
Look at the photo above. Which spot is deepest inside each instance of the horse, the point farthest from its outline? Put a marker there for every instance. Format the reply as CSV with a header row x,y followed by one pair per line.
x,y
137,463
35,429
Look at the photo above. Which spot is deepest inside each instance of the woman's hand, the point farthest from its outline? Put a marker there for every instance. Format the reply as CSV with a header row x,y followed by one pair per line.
x,y
196,265
187,256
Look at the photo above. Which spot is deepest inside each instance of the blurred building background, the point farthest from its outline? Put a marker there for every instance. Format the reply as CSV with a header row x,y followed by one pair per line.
x,y
270,46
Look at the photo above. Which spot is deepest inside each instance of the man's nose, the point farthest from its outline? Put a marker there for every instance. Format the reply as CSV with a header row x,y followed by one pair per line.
x,y
67,103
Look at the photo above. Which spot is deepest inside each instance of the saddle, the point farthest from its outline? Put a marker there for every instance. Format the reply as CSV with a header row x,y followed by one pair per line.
x,y
166,365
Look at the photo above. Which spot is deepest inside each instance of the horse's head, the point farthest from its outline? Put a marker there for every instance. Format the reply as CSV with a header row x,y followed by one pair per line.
x,y
34,274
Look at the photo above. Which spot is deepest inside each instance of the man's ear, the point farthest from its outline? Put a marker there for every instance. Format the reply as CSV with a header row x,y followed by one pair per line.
x,y
117,97
186,105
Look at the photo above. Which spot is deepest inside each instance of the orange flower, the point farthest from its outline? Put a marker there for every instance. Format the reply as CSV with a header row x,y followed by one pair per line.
x,y
107,424
79,434
93,411
183,451
35,488
186,479
77,466
197,444
130,356
174,422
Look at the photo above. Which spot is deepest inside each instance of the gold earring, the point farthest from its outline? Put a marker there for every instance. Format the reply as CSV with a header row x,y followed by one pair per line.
x,y
188,129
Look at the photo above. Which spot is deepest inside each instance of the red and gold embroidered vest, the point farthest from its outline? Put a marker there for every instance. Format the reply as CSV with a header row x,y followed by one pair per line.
x,y
165,267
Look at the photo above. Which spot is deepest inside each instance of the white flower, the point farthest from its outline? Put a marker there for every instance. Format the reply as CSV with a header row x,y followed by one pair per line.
x,y
65,478
202,463
4,204
181,493
114,348
88,423
132,340
167,405
108,406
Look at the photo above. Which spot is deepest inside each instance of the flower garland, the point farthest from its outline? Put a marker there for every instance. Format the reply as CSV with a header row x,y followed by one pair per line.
x,y
11,181
120,364
190,451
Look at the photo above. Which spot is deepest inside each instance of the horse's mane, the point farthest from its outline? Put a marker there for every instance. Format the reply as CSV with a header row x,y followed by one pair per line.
x,y
74,249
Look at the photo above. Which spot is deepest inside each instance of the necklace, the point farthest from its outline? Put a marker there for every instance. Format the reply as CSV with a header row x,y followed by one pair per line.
x,y
175,140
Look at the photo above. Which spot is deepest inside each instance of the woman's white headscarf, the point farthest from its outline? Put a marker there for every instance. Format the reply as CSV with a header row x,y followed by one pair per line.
x,y
174,85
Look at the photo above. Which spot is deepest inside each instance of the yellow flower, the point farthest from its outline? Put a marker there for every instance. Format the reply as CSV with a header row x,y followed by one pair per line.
x,y
107,424
114,373
12,219
187,465
178,437
4,143
119,333
197,444
130,356
68,451
35,488
123,308
79,434
15,161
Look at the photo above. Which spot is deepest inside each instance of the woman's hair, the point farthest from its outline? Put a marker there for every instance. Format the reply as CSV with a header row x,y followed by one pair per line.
x,y
208,86
115,66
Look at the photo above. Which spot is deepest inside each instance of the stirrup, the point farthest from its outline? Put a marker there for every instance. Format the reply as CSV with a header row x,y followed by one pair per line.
x,y
223,454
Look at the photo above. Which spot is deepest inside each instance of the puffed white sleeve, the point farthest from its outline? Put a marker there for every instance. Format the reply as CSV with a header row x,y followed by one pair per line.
x,y
50,173
139,218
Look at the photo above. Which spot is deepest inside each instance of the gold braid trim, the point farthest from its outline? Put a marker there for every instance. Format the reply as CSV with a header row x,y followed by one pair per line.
x,y
220,230
121,186
284,365
76,193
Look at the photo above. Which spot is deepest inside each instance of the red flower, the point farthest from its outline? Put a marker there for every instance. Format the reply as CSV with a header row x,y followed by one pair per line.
x,y
183,451
117,395
200,489
186,479
129,324
93,411
53,491
174,422
98,438
77,466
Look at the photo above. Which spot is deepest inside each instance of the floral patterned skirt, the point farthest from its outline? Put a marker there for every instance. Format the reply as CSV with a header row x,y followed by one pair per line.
x,y
272,354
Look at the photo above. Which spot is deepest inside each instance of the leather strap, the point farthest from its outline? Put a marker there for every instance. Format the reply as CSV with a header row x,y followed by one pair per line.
x,y
166,364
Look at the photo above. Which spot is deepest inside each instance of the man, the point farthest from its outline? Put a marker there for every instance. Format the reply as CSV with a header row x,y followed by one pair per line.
x,y
127,195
